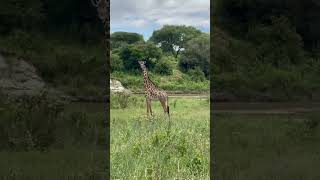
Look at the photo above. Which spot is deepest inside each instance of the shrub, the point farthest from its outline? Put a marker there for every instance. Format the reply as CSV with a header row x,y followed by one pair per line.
x,y
163,67
119,100
283,45
22,43
196,54
28,122
116,62
118,39
196,74
131,54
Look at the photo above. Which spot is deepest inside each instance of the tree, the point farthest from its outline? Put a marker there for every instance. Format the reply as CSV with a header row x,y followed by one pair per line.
x,y
163,67
196,74
116,62
76,19
173,38
20,14
148,52
277,44
196,54
119,39
239,16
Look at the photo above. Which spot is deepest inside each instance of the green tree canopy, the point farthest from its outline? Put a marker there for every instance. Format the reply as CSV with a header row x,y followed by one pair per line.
x,y
116,62
22,14
196,54
172,38
278,43
118,39
148,52
238,16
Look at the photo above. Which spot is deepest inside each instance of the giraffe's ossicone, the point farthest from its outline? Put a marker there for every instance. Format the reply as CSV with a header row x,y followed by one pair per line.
x,y
153,92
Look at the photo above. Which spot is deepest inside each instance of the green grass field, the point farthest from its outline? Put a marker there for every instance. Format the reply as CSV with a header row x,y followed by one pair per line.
x,y
248,146
158,148
268,147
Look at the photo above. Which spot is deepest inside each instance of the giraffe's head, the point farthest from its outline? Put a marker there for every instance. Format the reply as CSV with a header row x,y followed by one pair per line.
x,y
142,64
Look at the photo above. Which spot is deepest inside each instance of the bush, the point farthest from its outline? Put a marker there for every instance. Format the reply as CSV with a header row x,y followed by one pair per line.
x,y
196,74
131,54
119,100
41,122
116,62
163,67
280,82
28,123
196,54
283,46
22,43
118,39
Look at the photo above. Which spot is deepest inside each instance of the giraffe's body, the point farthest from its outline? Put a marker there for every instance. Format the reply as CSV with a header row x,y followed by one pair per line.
x,y
153,92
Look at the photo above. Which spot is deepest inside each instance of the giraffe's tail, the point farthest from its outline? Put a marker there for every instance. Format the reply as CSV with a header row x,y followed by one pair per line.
x,y
168,111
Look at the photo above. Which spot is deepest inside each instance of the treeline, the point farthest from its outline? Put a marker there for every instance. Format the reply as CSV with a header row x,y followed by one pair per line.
x,y
75,19
172,47
266,49
243,16
64,40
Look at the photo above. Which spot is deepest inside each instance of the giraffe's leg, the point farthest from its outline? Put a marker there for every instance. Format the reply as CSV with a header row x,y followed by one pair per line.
x,y
163,105
147,102
150,107
167,106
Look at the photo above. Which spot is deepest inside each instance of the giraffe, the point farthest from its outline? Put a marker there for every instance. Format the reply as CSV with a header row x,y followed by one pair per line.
x,y
153,92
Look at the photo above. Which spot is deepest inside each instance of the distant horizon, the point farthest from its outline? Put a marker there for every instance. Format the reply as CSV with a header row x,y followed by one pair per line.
x,y
127,16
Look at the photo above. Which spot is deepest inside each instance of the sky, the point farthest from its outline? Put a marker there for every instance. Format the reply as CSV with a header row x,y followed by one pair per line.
x,y
145,16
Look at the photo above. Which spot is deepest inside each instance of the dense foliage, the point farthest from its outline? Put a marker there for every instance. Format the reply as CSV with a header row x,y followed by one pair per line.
x,y
65,42
239,16
176,54
256,46
118,39
196,54
141,51
172,39
266,49
77,20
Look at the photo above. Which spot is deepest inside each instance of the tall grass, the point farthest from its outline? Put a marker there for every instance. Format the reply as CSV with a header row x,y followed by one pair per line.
x,y
41,138
250,147
155,147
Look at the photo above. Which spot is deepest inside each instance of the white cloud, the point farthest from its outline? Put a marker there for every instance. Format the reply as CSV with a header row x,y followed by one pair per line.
x,y
145,13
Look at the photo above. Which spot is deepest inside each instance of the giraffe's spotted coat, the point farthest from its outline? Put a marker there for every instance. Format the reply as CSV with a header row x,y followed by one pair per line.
x,y
152,91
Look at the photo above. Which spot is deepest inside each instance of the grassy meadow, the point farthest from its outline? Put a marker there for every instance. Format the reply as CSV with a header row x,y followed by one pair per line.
x,y
267,147
158,148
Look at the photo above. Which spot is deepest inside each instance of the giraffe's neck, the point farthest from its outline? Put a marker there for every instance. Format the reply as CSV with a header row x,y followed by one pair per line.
x,y
145,76
147,82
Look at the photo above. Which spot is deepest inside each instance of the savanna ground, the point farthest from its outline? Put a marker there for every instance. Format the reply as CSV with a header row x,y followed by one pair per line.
x,y
155,147
267,146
